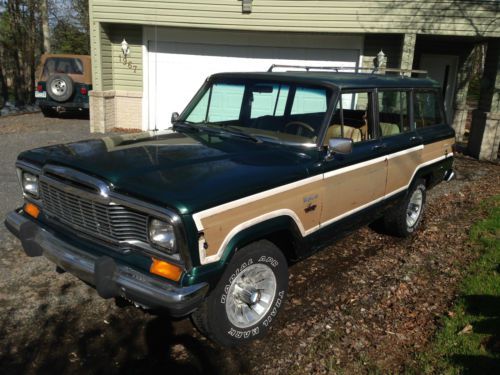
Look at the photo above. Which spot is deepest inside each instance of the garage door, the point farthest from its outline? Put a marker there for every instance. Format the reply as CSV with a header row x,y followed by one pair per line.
x,y
176,70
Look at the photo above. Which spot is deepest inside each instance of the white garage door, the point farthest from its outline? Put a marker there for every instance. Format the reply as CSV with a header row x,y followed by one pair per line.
x,y
178,70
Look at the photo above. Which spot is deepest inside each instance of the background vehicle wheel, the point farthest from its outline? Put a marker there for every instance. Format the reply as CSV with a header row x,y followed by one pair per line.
x,y
60,87
48,112
247,298
405,218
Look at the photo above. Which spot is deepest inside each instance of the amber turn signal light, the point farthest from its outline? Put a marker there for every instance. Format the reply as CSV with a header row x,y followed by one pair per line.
x,y
32,210
165,269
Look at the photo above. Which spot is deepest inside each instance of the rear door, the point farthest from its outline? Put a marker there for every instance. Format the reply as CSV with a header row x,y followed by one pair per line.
x,y
354,181
401,143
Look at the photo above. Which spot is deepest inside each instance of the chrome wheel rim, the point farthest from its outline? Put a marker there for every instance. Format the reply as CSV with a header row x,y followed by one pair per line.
x,y
250,295
58,87
414,209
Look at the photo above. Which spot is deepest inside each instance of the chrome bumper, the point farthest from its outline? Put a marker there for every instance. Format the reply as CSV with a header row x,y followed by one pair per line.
x,y
111,279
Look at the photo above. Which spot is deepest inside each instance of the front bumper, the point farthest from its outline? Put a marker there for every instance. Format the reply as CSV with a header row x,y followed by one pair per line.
x,y
110,278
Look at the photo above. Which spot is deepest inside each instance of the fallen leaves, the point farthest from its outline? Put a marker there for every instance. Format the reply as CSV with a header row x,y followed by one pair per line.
x,y
466,330
385,295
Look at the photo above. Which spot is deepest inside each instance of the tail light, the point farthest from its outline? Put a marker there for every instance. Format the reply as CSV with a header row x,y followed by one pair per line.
x,y
83,91
39,88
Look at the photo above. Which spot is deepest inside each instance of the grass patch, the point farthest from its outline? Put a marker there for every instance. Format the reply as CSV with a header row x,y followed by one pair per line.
x,y
469,340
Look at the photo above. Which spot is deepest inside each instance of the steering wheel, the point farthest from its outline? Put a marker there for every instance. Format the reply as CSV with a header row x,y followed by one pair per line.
x,y
301,125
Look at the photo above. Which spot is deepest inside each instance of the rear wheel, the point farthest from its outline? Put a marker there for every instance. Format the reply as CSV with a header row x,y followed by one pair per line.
x,y
405,218
247,298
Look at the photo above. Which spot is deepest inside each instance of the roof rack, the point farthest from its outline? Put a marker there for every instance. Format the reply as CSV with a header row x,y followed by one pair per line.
x,y
339,69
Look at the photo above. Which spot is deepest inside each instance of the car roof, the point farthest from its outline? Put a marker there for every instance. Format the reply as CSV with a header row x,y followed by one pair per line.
x,y
338,79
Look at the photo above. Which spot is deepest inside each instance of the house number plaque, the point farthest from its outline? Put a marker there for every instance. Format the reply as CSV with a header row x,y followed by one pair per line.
x,y
128,63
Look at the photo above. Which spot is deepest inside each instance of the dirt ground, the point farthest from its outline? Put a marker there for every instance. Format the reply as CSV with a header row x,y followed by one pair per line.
x,y
370,302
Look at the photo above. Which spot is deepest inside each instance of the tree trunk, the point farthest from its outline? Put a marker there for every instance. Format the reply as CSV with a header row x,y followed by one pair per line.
x,y
45,25
3,80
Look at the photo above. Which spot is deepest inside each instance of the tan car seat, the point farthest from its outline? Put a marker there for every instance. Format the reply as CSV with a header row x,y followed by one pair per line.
x,y
334,131
389,128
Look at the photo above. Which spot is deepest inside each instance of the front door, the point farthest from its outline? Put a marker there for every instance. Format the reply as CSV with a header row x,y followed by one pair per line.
x,y
443,68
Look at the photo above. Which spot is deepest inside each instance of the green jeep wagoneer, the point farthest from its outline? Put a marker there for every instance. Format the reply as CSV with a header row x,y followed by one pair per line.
x,y
260,170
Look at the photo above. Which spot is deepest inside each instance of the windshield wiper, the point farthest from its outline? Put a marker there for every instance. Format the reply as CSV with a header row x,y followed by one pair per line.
x,y
186,125
238,133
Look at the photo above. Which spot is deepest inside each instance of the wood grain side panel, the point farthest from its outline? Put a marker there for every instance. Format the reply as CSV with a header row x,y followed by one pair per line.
x,y
348,191
218,226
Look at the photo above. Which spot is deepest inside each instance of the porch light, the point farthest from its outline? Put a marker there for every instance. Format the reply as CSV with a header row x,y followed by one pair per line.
x,y
380,59
125,49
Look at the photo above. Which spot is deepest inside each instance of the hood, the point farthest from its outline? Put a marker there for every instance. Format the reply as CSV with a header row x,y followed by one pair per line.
x,y
187,172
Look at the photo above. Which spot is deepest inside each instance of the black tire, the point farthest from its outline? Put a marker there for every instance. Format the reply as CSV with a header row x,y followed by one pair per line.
x,y
397,222
60,87
48,112
212,318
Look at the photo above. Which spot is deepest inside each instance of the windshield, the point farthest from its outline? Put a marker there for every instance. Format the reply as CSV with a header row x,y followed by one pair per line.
x,y
272,111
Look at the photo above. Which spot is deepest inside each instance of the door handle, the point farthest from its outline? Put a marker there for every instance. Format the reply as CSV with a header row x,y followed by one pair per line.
x,y
416,138
379,147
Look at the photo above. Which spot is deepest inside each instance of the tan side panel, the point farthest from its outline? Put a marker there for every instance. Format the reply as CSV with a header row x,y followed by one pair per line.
x,y
437,149
218,226
401,169
348,191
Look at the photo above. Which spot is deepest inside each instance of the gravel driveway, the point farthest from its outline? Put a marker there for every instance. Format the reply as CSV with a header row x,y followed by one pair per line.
x,y
22,132
368,303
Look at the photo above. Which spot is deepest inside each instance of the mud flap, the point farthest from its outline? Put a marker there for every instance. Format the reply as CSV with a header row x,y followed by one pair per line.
x,y
104,272
27,234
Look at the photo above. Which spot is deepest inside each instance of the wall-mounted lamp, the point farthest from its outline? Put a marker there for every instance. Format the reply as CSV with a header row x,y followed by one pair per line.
x,y
380,59
246,6
125,48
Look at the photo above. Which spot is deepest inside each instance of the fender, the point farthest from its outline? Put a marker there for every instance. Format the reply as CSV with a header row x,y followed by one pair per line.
x,y
280,224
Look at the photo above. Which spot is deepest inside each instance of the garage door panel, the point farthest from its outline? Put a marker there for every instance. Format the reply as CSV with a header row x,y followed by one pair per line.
x,y
177,70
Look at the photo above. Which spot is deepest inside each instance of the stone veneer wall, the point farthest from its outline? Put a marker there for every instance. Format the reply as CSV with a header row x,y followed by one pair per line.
x,y
115,109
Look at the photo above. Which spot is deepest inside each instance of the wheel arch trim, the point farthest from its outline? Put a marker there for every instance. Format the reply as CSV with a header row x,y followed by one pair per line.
x,y
227,247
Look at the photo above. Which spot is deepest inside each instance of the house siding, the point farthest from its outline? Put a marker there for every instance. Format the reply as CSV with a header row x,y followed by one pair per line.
x,y
106,60
119,74
447,17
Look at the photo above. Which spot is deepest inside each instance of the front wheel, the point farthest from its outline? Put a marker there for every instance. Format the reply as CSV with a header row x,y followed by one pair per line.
x,y
247,298
404,219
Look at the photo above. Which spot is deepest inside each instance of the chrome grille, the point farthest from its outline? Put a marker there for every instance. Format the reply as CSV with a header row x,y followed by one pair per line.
x,y
112,222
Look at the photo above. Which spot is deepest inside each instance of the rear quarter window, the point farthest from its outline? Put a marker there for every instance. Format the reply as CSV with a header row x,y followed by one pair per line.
x,y
427,110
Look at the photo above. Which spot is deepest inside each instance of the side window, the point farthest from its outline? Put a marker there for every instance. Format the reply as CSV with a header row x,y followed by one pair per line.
x,y
225,104
426,109
393,112
308,100
352,118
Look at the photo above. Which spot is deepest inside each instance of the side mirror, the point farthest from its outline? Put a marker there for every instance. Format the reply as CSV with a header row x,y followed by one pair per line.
x,y
338,146
174,117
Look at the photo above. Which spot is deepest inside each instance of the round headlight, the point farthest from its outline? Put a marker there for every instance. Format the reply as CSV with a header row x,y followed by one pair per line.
x,y
30,183
162,234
